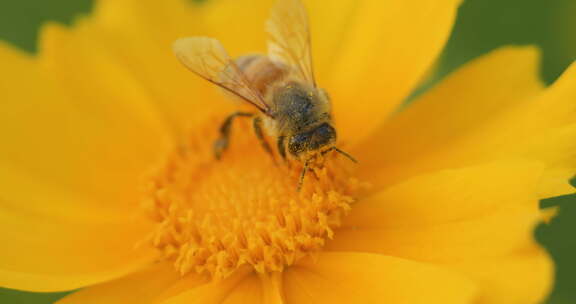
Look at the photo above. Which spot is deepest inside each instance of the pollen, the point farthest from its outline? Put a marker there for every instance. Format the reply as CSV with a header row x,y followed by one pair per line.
x,y
215,216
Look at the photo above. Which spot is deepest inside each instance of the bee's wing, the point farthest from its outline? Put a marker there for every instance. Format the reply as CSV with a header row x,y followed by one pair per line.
x,y
207,58
290,37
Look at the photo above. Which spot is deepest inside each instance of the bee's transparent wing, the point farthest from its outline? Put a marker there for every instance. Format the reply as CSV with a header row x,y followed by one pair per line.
x,y
207,58
290,38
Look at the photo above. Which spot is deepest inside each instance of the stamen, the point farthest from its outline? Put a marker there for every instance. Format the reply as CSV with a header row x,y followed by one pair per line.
x,y
216,216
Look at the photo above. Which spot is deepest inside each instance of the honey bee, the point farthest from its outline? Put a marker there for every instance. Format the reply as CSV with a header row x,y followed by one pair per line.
x,y
280,85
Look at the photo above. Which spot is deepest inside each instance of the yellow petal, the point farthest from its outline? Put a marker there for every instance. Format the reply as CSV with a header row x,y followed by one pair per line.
x,y
557,149
329,25
55,253
53,200
524,277
555,107
141,33
482,90
370,278
139,288
160,22
388,48
91,73
67,145
449,215
541,127
240,288
451,195
70,175
248,291
548,133
491,235
544,129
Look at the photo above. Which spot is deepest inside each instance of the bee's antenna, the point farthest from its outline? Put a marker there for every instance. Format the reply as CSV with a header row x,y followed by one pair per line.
x,y
303,174
345,154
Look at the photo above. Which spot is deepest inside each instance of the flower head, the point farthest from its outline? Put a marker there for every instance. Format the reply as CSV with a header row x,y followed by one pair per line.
x,y
109,181
214,217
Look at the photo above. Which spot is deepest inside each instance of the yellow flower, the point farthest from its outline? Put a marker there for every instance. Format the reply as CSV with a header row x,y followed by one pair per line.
x,y
109,182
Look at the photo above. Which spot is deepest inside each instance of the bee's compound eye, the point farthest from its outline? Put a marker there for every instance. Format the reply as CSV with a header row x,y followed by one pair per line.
x,y
298,143
325,131
322,136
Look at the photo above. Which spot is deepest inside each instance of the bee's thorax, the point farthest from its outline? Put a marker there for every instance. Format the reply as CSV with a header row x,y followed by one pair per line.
x,y
298,110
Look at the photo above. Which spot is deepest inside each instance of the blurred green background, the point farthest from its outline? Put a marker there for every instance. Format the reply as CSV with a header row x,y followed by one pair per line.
x,y
482,26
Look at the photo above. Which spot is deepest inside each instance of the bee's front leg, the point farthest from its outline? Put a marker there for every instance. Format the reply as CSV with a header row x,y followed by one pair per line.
x,y
257,123
281,143
221,143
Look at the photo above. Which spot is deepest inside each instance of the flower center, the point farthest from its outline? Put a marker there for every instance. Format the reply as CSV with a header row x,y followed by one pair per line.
x,y
215,216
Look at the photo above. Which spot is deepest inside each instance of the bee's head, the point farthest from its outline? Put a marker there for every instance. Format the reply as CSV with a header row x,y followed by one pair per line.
x,y
313,140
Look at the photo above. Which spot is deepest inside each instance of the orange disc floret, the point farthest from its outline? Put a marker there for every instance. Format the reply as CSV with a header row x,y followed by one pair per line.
x,y
214,216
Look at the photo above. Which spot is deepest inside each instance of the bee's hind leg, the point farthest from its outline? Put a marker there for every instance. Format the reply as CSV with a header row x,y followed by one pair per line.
x,y
221,143
257,123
